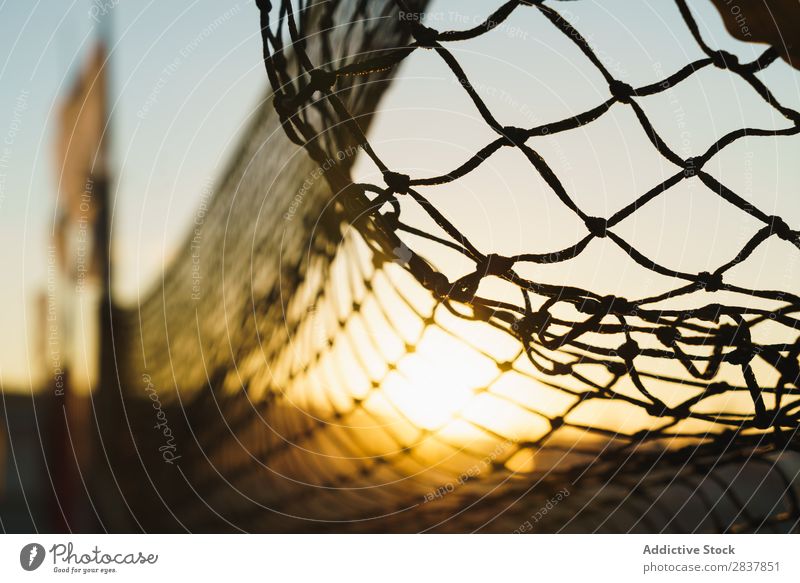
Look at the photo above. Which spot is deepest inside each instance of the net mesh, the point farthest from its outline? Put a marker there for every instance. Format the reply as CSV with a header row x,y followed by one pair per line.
x,y
331,394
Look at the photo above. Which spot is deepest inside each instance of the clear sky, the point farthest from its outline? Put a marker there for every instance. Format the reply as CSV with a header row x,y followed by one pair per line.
x,y
186,75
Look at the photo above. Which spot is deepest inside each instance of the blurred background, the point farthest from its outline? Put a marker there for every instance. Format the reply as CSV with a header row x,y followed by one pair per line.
x,y
167,87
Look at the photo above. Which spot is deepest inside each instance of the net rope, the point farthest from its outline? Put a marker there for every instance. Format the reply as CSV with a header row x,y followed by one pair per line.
x,y
346,279
725,328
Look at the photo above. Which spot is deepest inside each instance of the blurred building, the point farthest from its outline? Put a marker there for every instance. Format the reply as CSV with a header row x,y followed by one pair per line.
x,y
46,434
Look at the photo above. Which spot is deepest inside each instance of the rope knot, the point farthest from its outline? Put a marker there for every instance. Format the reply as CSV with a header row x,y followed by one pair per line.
x,y
437,283
710,282
657,409
778,226
717,388
597,226
604,305
515,136
724,60
726,334
621,91
562,368
283,104
496,265
615,305
691,166
530,324
629,350
741,355
667,336
617,369
397,182
426,36
321,80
